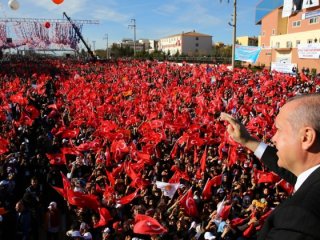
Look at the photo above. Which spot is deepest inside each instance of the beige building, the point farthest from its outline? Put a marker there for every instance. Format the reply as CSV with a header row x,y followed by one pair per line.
x,y
247,41
189,43
290,39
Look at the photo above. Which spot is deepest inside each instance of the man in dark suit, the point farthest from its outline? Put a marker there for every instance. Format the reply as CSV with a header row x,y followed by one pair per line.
x,y
296,158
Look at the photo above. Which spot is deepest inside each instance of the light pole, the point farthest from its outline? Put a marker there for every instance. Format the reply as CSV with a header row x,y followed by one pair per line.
x,y
234,36
106,37
94,45
133,25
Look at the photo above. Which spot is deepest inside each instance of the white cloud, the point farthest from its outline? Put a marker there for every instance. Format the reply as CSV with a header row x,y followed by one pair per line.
x,y
110,15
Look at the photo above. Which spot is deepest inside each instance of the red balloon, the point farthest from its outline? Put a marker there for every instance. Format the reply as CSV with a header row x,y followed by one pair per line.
x,y
57,1
47,25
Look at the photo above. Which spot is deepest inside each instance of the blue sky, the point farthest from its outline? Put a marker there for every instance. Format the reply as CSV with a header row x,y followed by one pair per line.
x,y
154,18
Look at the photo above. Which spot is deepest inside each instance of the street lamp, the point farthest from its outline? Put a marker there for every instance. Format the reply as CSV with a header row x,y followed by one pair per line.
x,y
234,25
94,45
133,25
106,37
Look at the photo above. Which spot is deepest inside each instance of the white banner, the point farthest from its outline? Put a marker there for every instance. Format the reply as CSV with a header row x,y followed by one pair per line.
x,y
283,67
287,8
311,50
292,6
310,3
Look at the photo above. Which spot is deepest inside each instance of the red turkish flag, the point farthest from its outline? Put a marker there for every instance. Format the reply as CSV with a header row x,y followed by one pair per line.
x,y
24,120
56,158
127,199
3,145
19,98
105,217
110,178
286,186
178,174
139,183
32,111
189,204
118,148
215,181
203,160
195,155
83,200
66,184
108,192
70,150
70,133
249,231
60,191
268,177
225,212
262,219
3,211
147,225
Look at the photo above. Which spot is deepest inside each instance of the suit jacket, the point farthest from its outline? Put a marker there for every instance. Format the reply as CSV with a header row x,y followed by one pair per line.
x,y
298,217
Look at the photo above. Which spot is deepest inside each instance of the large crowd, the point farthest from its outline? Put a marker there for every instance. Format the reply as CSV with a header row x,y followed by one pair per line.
x,y
134,149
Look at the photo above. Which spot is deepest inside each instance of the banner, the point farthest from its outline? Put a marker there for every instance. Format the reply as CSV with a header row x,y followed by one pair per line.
x,y
311,50
293,6
283,67
287,8
247,53
310,3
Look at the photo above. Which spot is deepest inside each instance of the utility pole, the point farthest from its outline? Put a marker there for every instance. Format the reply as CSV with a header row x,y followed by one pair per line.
x,y
234,32
234,25
106,37
94,45
133,25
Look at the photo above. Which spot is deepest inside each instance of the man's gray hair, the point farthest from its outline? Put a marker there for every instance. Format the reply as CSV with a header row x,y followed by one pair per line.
x,y
307,111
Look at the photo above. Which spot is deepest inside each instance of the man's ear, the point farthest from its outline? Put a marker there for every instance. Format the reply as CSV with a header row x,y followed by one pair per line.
x,y
308,137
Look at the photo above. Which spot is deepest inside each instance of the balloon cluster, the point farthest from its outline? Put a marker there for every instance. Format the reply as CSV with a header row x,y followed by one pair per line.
x,y
14,4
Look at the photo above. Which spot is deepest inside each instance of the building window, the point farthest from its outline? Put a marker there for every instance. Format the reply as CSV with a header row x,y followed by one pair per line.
x,y
262,45
273,32
297,43
289,44
277,44
296,23
197,38
263,33
313,20
197,44
309,40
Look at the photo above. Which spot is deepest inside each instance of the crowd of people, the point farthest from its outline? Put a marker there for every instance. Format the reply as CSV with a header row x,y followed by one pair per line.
x,y
136,149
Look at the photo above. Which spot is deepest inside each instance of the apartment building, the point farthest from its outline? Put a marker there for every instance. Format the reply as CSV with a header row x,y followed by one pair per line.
x,y
188,43
289,35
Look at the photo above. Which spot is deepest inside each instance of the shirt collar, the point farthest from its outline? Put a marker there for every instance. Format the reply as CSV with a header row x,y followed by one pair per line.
x,y
303,176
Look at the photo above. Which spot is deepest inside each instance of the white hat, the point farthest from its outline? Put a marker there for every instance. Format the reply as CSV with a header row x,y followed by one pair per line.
x,y
52,205
83,225
87,235
209,236
76,234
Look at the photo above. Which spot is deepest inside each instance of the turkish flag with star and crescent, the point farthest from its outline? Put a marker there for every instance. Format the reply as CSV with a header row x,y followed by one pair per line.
x,y
147,225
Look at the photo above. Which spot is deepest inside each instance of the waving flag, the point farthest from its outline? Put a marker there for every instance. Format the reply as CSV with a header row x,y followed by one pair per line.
x,y
147,225
189,204
105,217
168,189
127,199
83,200
215,181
